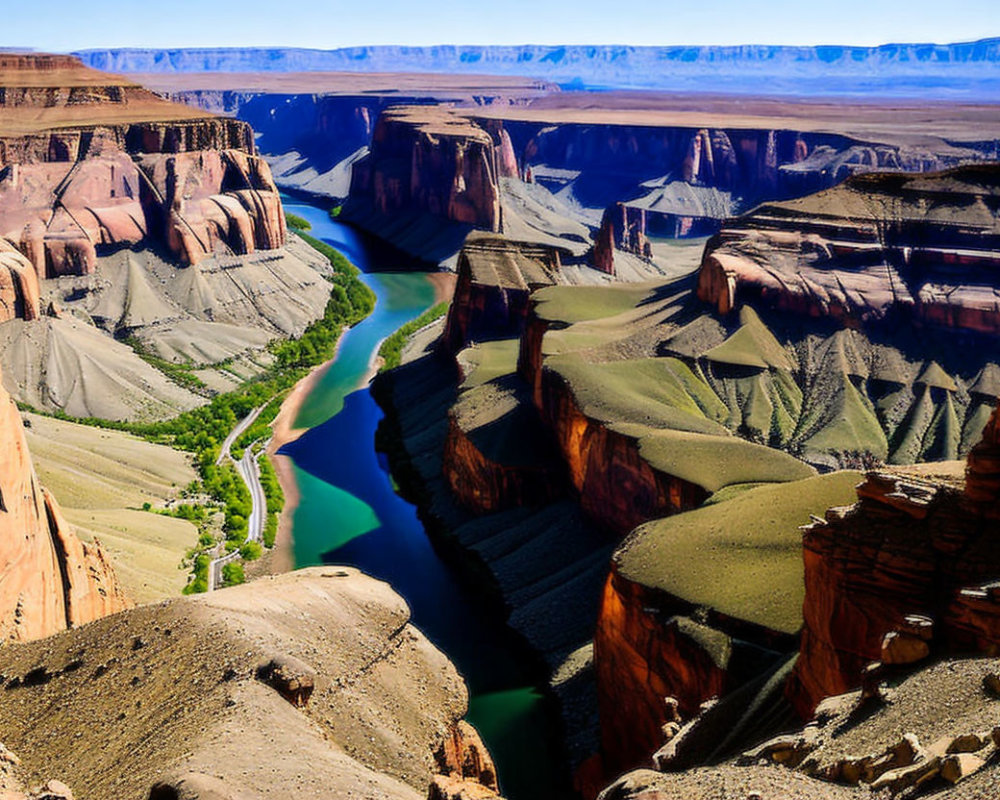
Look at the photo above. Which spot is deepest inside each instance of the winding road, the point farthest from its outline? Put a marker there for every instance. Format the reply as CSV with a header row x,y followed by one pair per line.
x,y
249,470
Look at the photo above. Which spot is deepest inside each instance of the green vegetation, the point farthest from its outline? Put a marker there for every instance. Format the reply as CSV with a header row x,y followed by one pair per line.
x,y
275,501
714,462
199,579
487,361
742,556
569,304
653,391
202,430
297,223
181,374
391,350
753,345
232,573
250,551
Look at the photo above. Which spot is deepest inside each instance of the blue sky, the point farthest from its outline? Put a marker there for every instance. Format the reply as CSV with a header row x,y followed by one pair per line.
x,y
71,24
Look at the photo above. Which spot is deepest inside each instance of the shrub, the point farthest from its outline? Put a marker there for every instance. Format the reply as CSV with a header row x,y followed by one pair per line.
x,y
391,351
297,223
250,551
232,573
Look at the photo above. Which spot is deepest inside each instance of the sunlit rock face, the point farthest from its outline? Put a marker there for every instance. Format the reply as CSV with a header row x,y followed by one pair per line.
x,y
50,579
90,162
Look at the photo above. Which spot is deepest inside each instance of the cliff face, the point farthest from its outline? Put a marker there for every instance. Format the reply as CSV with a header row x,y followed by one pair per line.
x,y
617,486
50,579
908,550
91,162
646,649
921,248
431,160
496,277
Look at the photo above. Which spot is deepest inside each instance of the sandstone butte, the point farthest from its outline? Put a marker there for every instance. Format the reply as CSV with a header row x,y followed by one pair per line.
x,y
49,580
90,161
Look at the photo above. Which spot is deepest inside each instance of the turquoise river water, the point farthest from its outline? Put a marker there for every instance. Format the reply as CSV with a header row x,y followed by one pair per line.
x,y
348,513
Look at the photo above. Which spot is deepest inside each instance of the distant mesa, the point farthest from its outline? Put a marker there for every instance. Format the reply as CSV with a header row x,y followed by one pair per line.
x,y
905,69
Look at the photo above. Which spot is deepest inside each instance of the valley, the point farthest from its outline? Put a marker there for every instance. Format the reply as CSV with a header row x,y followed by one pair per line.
x,y
689,492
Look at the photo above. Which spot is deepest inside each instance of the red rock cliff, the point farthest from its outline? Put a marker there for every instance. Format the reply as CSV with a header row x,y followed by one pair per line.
x,y
49,579
907,547
432,160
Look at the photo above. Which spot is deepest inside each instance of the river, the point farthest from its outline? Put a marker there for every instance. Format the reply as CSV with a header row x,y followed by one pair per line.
x,y
348,513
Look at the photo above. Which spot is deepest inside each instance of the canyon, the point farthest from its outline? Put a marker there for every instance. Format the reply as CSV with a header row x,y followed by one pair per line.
x,y
682,329
664,422
608,181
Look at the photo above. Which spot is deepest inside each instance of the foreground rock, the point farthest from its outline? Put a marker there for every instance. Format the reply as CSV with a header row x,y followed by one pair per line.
x,y
935,734
166,701
50,579
910,567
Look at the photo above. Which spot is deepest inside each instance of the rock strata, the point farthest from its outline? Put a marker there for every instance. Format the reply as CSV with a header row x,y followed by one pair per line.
x,y
905,571
917,248
91,162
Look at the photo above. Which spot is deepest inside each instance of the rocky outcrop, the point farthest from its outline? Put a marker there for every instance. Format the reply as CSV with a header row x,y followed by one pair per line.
x,y
177,683
90,162
19,290
669,209
908,550
496,277
646,650
617,486
431,160
920,249
50,579
934,734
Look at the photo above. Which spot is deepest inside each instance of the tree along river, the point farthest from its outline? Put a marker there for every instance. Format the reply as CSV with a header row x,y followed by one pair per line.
x,y
348,513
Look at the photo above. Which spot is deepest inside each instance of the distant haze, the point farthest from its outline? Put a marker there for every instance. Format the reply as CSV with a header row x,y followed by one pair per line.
x,y
966,71
63,25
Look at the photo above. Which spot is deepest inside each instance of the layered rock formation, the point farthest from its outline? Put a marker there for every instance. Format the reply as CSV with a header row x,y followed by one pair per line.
x,y
697,607
919,249
495,279
193,697
432,173
50,579
908,550
91,162
642,392
933,735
